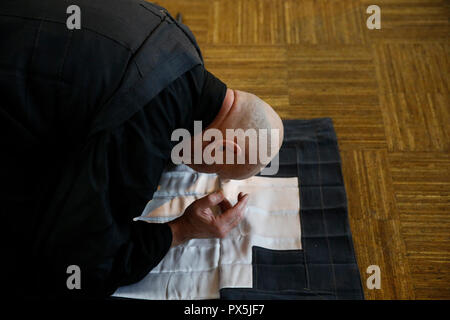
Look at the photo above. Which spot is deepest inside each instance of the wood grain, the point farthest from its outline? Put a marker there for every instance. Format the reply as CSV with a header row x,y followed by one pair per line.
x,y
387,92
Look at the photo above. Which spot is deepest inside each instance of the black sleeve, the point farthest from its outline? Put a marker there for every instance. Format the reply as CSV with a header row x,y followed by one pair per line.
x,y
139,153
109,182
211,98
205,98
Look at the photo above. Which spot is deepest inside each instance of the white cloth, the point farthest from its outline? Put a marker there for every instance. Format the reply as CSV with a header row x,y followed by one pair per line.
x,y
199,268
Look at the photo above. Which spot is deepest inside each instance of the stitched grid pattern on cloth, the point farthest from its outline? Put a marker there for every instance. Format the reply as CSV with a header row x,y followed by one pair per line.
x,y
200,267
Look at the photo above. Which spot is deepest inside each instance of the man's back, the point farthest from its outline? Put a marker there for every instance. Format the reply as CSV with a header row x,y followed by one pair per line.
x,y
65,95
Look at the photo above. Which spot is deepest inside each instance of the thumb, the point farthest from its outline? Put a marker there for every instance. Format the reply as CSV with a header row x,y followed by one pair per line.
x,y
210,200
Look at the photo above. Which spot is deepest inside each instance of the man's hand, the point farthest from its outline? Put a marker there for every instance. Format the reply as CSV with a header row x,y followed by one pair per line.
x,y
199,221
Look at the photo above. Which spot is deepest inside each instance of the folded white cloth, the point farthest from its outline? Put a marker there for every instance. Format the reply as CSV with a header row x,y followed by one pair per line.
x,y
199,268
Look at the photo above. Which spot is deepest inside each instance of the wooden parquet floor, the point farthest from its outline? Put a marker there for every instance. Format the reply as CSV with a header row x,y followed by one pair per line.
x,y
387,92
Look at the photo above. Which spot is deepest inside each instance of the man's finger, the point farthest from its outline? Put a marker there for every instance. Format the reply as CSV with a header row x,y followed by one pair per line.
x,y
239,217
237,220
212,199
225,205
230,215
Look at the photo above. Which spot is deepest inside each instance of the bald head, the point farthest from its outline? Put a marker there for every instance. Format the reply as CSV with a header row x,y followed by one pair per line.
x,y
247,124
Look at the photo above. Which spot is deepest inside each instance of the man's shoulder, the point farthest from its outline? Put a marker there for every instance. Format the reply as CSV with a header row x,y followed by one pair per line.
x,y
128,22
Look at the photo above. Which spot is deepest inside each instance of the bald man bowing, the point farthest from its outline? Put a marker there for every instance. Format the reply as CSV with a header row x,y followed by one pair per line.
x,y
86,126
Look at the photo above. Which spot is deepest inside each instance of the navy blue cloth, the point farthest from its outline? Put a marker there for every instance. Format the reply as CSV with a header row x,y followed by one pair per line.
x,y
326,267
86,118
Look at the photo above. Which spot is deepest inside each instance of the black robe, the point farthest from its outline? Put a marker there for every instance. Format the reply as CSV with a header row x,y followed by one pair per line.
x,y
86,118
